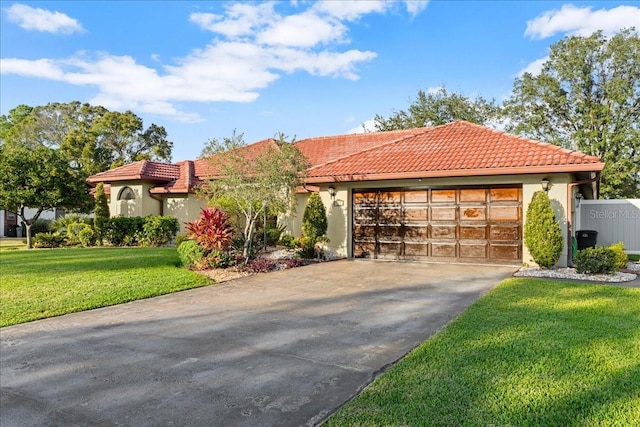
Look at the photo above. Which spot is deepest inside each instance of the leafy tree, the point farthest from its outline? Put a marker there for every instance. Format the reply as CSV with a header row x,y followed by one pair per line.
x,y
93,138
38,178
213,145
587,98
252,181
441,107
542,233
101,211
314,218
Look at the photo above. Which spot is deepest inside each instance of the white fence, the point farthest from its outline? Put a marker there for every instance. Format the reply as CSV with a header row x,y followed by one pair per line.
x,y
614,220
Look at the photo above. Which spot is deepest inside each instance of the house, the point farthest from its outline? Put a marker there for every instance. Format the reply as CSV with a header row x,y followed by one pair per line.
x,y
11,225
456,193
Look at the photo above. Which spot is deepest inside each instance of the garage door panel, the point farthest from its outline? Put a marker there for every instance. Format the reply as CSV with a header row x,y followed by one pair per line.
x,y
416,196
416,250
390,232
504,232
471,213
390,250
471,250
416,233
364,232
443,196
505,194
443,250
416,214
443,214
473,195
505,213
470,232
443,232
505,252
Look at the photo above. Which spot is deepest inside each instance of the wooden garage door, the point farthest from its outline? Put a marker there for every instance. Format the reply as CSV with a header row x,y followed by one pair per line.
x,y
452,224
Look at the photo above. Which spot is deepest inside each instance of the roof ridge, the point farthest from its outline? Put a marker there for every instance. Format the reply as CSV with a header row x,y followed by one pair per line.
x,y
384,144
355,135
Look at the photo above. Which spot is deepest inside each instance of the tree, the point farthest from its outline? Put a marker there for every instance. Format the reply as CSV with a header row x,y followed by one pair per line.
x,y
213,146
254,179
93,138
441,107
542,233
38,178
587,98
101,211
314,218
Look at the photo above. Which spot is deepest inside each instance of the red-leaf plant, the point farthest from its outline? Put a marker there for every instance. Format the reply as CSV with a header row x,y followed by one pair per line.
x,y
212,230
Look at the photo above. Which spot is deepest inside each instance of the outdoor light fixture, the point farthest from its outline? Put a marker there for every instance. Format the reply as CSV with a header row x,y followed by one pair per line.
x,y
545,184
578,198
332,192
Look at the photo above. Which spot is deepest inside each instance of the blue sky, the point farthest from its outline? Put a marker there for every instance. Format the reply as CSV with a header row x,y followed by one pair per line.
x,y
202,69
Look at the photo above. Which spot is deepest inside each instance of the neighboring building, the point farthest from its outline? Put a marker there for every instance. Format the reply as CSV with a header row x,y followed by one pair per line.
x,y
457,192
10,224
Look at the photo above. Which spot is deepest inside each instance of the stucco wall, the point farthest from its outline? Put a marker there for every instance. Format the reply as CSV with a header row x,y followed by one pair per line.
x,y
184,208
339,211
142,205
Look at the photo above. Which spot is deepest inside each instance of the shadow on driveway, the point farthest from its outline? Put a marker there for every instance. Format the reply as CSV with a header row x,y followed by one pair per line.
x,y
285,348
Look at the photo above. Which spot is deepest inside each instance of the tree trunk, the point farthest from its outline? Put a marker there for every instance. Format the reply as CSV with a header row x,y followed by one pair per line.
x,y
28,228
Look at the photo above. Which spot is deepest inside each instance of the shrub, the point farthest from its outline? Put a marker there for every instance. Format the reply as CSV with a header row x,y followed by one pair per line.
x,y
261,265
190,253
48,240
622,259
41,226
87,236
595,260
291,262
314,218
212,231
101,211
287,241
73,232
220,259
62,224
542,233
158,230
305,245
123,230
181,238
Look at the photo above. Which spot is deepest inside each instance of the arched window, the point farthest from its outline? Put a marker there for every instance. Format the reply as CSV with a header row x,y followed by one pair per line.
x,y
126,194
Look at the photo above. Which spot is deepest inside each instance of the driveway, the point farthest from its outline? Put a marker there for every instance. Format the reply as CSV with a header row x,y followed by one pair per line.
x,y
284,348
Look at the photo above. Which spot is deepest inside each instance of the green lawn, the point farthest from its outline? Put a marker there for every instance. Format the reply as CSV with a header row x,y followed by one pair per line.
x,y
43,283
530,353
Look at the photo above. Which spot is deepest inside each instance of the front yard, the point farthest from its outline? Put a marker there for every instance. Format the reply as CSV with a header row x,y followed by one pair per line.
x,y
38,284
531,352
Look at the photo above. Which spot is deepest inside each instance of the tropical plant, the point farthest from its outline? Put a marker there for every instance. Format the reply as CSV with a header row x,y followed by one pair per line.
x,y
212,231
542,233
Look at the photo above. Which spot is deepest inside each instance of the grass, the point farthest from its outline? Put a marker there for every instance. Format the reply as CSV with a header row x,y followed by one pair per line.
x,y
38,284
11,244
530,353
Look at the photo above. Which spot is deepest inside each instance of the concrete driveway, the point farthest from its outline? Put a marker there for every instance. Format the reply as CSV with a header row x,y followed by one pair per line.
x,y
285,348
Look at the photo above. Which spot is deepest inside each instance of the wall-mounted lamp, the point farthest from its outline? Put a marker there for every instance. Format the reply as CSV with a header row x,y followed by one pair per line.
x,y
332,192
545,184
578,198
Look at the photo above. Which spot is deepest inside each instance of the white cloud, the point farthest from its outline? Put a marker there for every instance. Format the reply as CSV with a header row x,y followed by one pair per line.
x,y
582,21
415,7
37,19
253,48
303,30
533,68
364,127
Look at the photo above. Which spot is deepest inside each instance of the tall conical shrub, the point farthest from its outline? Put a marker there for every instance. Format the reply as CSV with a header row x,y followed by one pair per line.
x,y
101,212
542,233
314,219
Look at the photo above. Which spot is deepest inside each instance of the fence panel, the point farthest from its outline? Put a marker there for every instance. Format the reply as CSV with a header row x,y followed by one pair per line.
x,y
614,220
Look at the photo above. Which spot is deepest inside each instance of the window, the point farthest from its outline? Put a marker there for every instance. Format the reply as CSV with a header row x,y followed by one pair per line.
x,y
126,194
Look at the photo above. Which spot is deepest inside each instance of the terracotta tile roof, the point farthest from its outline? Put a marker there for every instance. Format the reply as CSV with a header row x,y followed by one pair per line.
x,y
455,149
208,168
142,170
328,148
185,183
